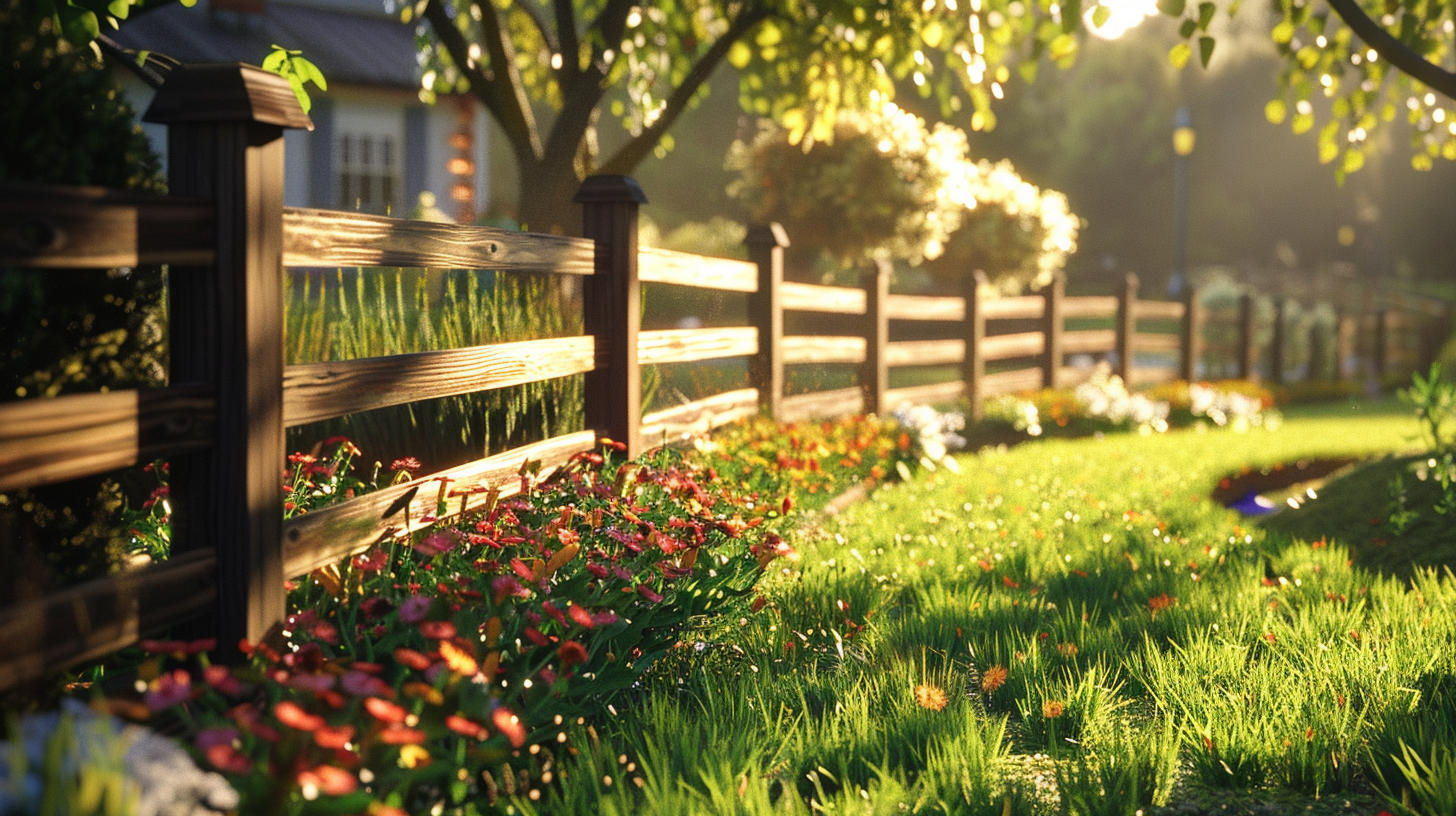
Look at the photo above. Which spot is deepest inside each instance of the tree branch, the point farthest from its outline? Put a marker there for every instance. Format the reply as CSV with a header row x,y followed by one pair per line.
x,y
566,36
633,152
582,91
539,19
1397,53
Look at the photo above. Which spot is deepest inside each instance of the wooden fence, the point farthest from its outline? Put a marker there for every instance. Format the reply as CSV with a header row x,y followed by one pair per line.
x,y
227,239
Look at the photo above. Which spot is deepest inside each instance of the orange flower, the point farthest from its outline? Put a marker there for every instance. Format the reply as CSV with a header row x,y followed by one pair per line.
x,y
292,715
329,780
457,658
510,725
1052,709
1160,602
993,678
385,711
1067,649
931,697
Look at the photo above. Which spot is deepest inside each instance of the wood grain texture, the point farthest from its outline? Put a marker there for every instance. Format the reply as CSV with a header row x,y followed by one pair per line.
x,y
319,391
698,417
1089,341
766,244
918,307
798,348
43,441
874,373
927,352
1053,326
61,227
806,297
1010,382
933,394
331,239
693,345
1159,310
1126,325
1014,308
323,537
1008,346
686,269
611,308
836,403
1169,343
91,620
1090,306
1074,376
1153,376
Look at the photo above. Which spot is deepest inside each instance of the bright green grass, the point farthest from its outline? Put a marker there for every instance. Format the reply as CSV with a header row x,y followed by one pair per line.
x,y
1156,647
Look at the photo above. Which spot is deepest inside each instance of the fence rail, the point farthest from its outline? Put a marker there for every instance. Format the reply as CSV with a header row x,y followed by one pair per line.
x,y
228,239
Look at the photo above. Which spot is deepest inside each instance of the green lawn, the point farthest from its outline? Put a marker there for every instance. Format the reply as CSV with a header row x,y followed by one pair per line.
x,y
1068,626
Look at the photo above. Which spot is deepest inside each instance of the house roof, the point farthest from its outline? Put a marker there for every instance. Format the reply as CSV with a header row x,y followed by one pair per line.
x,y
350,48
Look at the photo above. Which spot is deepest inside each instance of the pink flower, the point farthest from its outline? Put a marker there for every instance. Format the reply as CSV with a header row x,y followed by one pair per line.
x,y
504,586
581,616
571,653
316,683
292,715
414,609
170,689
208,737
373,561
360,684
228,759
437,630
648,593
510,725
438,542
409,463
329,780
223,680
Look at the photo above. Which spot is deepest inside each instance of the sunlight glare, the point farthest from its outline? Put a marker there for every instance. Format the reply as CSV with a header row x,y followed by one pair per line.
x,y
1126,15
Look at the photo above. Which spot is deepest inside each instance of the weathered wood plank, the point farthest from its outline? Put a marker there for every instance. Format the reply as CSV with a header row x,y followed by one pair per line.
x,y
59,227
1090,306
1153,376
328,238
1007,346
817,349
1009,382
918,307
807,297
927,352
1089,341
43,441
933,394
91,620
1159,310
698,417
836,403
686,269
318,391
323,537
692,345
1157,342
1073,376
1015,308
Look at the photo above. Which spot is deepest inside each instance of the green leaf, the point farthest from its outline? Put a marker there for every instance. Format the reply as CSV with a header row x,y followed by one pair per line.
x,y
1206,11
309,72
275,61
1302,122
1422,162
1100,15
1179,54
1354,159
1283,33
1205,50
1275,111
1328,151
739,54
1187,28
141,57
1172,8
118,8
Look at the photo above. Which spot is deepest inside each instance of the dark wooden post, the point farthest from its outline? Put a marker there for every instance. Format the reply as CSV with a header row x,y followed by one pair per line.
x,y
1126,325
766,243
1343,341
612,308
1051,329
875,376
1192,333
973,367
225,142
1319,350
1248,349
1380,355
1276,350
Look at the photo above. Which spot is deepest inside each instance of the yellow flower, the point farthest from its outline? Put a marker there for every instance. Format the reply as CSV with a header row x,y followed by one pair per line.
x,y
993,678
413,756
931,697
1051,709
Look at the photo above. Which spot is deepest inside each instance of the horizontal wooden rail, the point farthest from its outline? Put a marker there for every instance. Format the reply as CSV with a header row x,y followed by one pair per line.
x,y
328,535
933,394
1090,306
1073,376
91,620
1159,310
839,402
1010,382
916,307
698,417
1167,343
50,440
1153,375
685,269
1008,346
319,391
817,349
926,352
325,238
61,227
807,297
1014,308
1090,341
693,345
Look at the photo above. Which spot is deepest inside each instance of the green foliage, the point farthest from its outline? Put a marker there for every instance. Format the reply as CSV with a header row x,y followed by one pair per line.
x,y
1434,401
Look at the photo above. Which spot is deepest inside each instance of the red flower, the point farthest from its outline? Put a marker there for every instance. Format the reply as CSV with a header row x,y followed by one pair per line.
x,y
579,614
510,725
330,780
504,586
385,711
438,630
361,684
409,463
401,735
438,542
648,593
413,659
333,736
292,715
223,680
170,689
465,727
571,653
228,759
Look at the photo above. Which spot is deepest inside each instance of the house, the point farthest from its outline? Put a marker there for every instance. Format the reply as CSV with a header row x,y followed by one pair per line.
x,y
375,146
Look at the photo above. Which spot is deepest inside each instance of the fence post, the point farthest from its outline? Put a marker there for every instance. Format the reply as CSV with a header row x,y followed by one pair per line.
x,y
1343,340
973,367
766,243
1319,351
875,376
225,142
1276,350
1248,349
1051,329
1192,333
1126,325
612,308
1380,355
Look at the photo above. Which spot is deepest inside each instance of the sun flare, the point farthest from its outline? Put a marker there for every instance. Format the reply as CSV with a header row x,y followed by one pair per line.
x,y
1126,15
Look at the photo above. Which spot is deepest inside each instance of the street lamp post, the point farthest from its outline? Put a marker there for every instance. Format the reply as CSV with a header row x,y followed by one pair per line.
x,y
1183,137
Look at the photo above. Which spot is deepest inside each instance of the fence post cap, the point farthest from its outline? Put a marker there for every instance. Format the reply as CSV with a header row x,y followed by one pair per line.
x,y
1130,280
226,92
610,189
770,234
